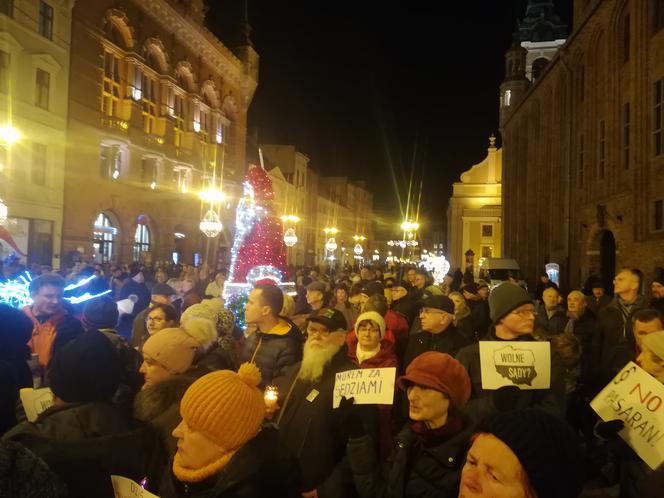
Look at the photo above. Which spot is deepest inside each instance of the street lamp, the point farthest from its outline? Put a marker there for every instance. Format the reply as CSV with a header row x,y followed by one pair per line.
x,y
9,134
410,226
211,225
211,195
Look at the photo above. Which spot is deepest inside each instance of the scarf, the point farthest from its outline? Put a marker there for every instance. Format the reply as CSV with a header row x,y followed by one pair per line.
x,y
197,475
363,355
425,437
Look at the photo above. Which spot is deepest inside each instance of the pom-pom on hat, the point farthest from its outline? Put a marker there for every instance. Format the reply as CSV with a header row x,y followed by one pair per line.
x,y
441,372
226,406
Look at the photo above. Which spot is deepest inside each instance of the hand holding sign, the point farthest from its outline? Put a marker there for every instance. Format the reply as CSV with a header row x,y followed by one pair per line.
x,y
369,386
636,398
524,364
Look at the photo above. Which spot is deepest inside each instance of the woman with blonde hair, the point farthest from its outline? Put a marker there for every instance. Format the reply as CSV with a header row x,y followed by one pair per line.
x,y
462,319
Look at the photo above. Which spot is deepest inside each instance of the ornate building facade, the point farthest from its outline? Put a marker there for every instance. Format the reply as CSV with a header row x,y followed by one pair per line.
x,y
320,202
158,112
474,212
34,80
583,146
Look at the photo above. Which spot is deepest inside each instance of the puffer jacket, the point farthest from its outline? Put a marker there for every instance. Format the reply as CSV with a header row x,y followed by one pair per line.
x,y
424,464
262,467
484,402
273,351
84,443
159,405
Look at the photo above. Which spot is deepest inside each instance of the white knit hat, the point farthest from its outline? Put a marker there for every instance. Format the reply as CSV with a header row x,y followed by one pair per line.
x,y
373,317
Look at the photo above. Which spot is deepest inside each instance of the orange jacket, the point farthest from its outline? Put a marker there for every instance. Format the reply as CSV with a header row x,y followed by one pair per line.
x,y
44,334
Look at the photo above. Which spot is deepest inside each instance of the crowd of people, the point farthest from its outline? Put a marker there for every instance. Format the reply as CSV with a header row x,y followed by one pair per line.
x,y
156,382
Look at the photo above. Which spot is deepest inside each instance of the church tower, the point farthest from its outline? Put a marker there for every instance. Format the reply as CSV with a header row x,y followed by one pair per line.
x,y
515,85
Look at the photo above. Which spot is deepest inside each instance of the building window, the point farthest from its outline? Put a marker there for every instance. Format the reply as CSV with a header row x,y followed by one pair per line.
x,y
38,170
625,135
658,215
182,176
149,171
103,236
487,230
581,159
45,20
658,117
111,87
538,67
658,16
5,61
43,87
507,98
487,252
625,38
141,241
601,150
178,123
110,161
149,100
7,7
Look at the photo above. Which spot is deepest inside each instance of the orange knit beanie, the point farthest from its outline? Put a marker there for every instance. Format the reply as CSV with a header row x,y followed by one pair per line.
x,y
226,406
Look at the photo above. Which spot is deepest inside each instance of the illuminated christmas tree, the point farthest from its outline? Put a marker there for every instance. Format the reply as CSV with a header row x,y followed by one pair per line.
x,y
258,249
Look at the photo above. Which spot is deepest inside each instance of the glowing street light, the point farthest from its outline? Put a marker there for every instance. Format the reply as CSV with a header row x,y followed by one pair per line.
x,y
409,226
290,218
332,230
9,134
211,195
358,238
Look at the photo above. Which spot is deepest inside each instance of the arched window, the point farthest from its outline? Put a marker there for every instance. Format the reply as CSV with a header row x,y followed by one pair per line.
x,y
538,67
141,240
103,239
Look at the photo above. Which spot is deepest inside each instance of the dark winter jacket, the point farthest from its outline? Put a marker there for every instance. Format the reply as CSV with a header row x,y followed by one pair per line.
x,y
130,359
553,325
159,405
595,304
261,468
483,402
274,351
84,443
614,341
24,475
585,330
466,328
312,430
419,466
448,341
480,316
658,304
385,358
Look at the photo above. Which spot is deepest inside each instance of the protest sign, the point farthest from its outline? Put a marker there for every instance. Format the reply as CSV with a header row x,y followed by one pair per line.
x,y
636,397
126,488
369,386
525,364
35,401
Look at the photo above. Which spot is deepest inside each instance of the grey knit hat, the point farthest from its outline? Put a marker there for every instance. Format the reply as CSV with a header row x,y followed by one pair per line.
x,y
506,297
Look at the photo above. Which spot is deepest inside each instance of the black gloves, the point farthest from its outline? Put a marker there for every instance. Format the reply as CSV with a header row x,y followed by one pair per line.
x,y
349,419
608,430
506,398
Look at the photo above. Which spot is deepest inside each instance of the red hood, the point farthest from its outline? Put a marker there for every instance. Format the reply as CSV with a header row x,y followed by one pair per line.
x,y
386,357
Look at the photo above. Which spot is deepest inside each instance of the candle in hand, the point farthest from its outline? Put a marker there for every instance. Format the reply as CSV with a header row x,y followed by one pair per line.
x,y
271,395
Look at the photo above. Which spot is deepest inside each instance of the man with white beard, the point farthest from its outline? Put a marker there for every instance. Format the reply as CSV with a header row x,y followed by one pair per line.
x,y
310,427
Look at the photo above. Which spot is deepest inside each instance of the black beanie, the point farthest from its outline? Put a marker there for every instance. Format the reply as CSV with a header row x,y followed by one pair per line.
x,y
546,447
100,313
86,369
506,297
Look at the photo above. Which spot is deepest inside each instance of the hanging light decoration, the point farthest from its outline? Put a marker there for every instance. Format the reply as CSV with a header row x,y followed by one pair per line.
x,y
211,225
331,244
358,249
290,237
4,213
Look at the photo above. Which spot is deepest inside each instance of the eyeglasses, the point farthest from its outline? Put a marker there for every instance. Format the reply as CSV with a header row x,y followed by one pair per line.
x,y
322,333
523,313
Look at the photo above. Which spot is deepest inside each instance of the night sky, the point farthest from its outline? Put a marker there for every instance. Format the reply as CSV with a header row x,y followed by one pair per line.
x,y
368,89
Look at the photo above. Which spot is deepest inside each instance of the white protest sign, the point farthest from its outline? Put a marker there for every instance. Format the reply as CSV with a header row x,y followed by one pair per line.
x,y
636,397
126,488
525,364
369,386
35,401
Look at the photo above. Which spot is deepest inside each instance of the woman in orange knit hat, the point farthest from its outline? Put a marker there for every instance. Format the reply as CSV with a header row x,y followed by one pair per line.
x,y
223,448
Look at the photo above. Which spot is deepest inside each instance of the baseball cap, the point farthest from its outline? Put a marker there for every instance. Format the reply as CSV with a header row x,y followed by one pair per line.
x,y
317,286
443,303
331,318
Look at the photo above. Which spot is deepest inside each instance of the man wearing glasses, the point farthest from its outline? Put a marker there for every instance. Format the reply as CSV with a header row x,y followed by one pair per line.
x,y
438,332
513,316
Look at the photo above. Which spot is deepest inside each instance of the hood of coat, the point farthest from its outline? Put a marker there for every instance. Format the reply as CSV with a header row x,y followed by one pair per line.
x,y
155,399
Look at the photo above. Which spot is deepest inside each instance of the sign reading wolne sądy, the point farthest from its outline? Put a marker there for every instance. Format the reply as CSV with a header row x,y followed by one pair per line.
x,y
525,364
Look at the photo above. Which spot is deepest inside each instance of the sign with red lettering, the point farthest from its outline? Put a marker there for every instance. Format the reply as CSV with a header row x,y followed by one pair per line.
x,y
637,398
